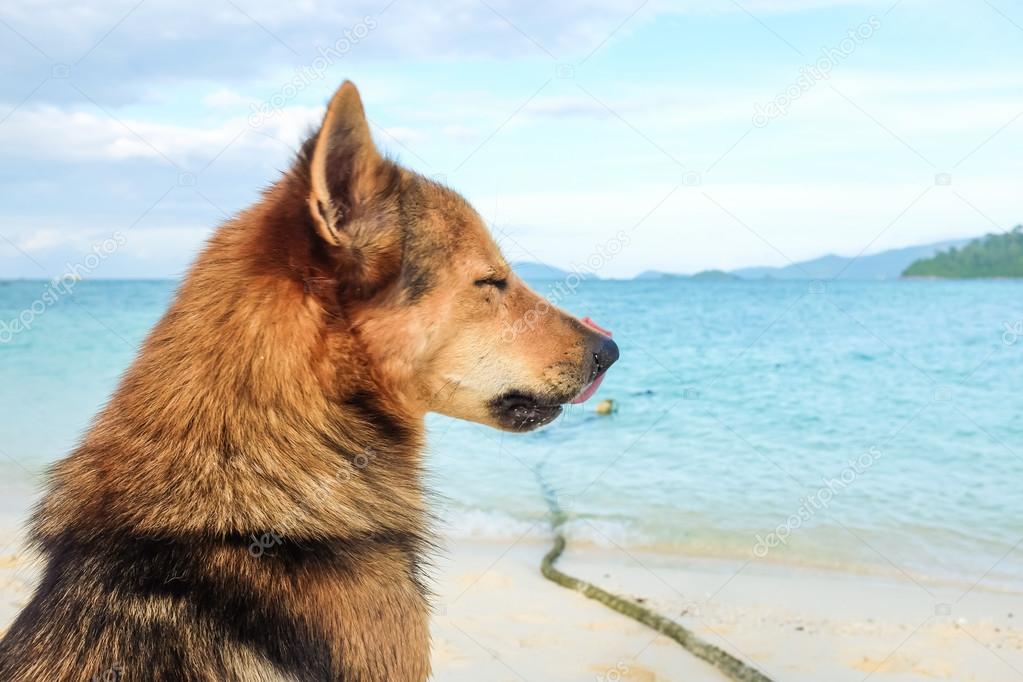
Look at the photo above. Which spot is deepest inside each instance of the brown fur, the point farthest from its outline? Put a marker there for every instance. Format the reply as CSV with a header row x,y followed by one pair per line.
x,y
248,506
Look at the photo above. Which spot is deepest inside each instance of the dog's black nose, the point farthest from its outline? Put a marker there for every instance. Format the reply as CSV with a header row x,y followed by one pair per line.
x,y
606,354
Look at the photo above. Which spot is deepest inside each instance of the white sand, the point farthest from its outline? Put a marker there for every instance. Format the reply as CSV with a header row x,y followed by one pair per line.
x,y
502,621
499,620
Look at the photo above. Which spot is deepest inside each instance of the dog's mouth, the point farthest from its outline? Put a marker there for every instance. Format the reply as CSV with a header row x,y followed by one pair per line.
x,y
522,411
518,411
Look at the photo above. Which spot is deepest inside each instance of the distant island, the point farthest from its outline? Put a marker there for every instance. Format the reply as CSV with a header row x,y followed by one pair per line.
x,y
705,275
996,255
542,271
882,265
989,256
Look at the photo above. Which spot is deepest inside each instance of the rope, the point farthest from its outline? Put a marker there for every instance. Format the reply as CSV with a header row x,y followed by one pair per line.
x,y
722,660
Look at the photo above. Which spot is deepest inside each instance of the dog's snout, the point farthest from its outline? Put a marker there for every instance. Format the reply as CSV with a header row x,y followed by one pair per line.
x,y
605,354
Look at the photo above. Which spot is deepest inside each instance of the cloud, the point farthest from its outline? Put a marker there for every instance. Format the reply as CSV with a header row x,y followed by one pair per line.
x,y
171,88
40,240
150,252
48,132
129,52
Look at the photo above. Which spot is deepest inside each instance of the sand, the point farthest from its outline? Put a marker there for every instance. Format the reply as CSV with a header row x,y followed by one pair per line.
x,y
793,624
498,620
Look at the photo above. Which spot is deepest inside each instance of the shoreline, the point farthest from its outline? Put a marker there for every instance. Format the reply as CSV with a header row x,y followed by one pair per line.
x,y
591,535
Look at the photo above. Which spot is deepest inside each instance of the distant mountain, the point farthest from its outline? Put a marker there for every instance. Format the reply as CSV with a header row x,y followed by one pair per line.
x,y
541,271
883,265
714,276
996,255
705,275
657,274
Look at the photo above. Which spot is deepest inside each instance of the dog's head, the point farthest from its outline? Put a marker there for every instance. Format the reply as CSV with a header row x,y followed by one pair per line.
x,y
439,313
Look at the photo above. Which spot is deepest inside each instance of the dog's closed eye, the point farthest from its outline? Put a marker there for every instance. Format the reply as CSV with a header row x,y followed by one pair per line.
x,y
498,282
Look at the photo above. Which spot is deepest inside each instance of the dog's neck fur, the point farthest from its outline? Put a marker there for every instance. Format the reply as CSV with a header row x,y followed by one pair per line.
x,y
237,418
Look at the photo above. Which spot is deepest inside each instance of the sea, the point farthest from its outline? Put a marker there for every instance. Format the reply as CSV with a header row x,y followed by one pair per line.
x,y
846,425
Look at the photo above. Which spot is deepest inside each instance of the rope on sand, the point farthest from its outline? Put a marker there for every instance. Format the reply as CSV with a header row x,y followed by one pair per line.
x,y
720,659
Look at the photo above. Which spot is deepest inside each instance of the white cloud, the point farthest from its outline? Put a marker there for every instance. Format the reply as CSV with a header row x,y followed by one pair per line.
x,y
164,251
67,30
181,79
40,240
50,133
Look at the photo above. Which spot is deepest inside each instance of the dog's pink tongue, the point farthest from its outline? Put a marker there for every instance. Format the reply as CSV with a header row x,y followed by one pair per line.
x,y
588,392
592,387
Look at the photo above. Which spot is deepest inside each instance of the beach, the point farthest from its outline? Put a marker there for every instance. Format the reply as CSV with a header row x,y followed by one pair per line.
x,y
505,622
498,619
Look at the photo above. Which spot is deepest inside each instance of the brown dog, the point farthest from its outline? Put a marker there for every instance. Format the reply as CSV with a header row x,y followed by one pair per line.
x,y
248,506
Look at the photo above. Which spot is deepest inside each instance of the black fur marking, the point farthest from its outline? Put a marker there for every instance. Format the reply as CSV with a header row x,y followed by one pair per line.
x,y
367,406
322,211
338,167
118,582
129,575
418,276
417,284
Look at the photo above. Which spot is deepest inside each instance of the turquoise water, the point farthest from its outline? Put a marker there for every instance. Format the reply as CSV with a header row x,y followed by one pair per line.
x,y
741,408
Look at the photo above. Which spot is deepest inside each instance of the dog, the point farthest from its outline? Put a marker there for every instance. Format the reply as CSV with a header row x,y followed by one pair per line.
x,y
248,506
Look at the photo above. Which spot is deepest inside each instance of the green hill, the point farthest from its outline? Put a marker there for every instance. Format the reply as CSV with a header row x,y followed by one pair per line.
x,y
996,255
703,275
714,276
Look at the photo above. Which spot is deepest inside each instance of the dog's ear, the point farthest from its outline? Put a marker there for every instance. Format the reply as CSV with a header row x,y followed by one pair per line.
x,y
346,170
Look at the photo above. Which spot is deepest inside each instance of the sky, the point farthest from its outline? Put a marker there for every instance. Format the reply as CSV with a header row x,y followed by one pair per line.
x,y
615,137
